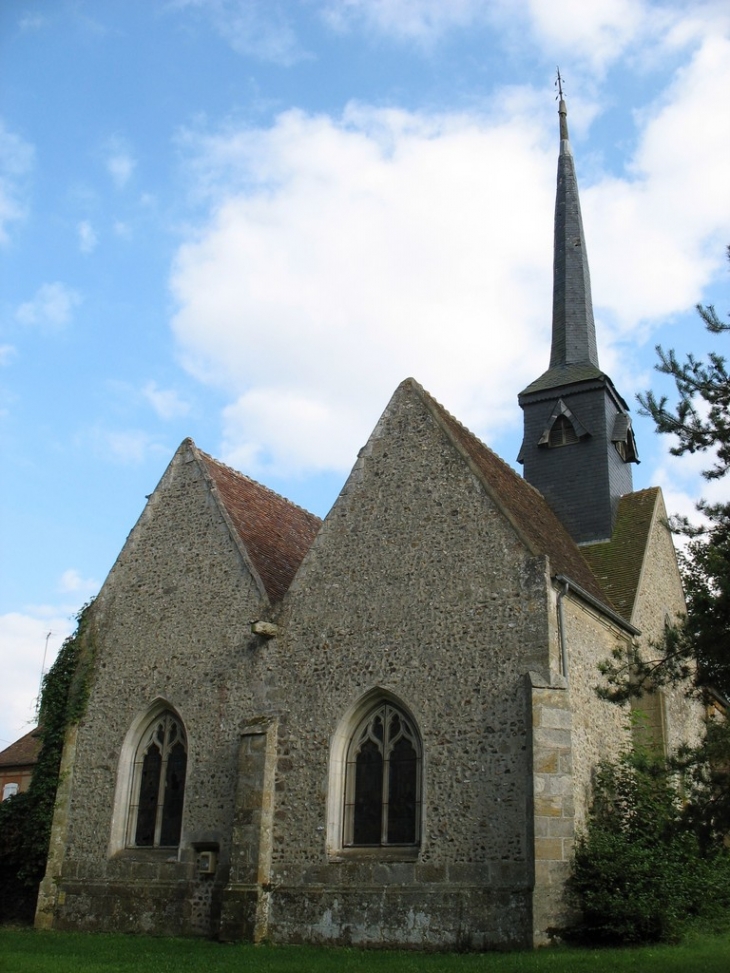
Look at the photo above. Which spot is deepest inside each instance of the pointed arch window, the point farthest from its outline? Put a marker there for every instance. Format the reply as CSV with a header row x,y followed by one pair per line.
x,y
382,801
562,433
563,428
158,784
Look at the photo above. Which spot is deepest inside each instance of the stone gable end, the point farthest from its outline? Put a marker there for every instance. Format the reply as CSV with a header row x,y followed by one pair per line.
x,y
417,586
173,624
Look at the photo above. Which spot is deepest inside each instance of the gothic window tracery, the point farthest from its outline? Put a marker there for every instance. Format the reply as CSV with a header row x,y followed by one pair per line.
x,y
382,803
158,784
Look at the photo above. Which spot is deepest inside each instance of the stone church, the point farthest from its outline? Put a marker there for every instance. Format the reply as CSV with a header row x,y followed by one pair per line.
x,y
379,729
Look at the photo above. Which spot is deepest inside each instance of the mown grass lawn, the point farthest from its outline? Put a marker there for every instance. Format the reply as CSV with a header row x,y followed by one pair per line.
x,y
26,951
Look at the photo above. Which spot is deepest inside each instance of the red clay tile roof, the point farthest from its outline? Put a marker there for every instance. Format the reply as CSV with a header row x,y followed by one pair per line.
x,y
525,506
617,563
275,533
23,752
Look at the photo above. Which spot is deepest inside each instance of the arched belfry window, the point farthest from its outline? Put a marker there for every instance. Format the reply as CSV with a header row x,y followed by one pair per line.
x,y
623,438
562,433
382,794
158,784
563,428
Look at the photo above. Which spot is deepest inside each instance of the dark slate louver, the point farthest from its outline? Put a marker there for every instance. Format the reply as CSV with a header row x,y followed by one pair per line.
x,y
578,441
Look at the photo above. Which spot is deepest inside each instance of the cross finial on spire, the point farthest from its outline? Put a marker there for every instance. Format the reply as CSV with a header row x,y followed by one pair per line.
x,y
562,110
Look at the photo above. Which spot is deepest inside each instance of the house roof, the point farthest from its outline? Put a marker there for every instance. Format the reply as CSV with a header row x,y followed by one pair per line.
x,y
23,752
525,506
275,533
617,563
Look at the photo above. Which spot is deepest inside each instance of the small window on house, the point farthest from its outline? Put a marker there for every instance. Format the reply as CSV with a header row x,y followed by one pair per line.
x,y
562,432
10,790
383,781
158,784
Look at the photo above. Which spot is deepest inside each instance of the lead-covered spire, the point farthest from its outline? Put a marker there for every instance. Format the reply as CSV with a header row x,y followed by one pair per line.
x,y
574,330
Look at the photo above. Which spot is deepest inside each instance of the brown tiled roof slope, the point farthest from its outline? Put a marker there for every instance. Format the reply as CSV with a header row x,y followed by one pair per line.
x,y
23,752
617,563
275,532
527,508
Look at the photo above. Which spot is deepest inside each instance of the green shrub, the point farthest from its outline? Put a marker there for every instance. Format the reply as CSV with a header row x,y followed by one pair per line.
x,y
641,872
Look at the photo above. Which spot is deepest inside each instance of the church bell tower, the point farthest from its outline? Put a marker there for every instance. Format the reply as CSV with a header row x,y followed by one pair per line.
x,y
578,443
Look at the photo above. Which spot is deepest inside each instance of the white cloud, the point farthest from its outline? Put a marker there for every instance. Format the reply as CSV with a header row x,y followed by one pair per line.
x,y
72,582
366,250
16,161
590,36
7,353
22,647
120,162
596,35
166,402
33,21
343,254
51,307
129,447
595,32
88,239
659,233
683,486
420,20
257,28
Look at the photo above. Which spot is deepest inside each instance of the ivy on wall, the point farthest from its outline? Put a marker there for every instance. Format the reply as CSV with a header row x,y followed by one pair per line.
x,y
26,818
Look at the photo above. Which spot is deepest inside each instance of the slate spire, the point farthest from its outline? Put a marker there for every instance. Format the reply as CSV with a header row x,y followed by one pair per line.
x,y
578,445
574,330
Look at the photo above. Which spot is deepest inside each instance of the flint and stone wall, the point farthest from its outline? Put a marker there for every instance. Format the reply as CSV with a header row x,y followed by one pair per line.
x,y
172,623
416,586
417,590
572,731
670,717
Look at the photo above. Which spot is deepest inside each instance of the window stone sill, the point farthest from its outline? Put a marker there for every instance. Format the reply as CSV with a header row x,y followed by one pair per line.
x,y
379,853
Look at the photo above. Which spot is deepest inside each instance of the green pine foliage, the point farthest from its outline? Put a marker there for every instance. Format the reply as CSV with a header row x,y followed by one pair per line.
x,y
698,422
655,856
26,819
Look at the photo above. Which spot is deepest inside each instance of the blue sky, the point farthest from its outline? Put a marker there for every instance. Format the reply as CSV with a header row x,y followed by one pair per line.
x,y
245,221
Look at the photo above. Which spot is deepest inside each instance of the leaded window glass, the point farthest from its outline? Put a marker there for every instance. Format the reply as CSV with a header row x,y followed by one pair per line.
x,y
158,785
383,781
